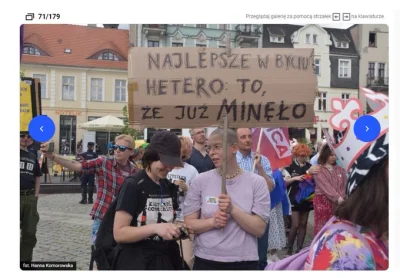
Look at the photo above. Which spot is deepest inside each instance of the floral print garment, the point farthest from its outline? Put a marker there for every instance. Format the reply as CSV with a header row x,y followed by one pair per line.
x,y
338,249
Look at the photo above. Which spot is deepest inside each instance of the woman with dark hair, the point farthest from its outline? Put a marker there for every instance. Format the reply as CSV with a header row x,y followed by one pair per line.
x,y
358,237
298,171
143,226
330,188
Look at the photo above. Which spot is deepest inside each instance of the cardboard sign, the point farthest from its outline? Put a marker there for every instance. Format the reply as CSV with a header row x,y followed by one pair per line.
x,y
197,87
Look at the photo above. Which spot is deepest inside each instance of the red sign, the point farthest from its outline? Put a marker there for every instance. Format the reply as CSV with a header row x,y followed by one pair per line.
x,y
274,145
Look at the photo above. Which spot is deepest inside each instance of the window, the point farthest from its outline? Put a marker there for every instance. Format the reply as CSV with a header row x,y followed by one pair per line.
x,y
381,70
67,134
276,39
224,26
43,84
345,45
68,88
201,45
315,39
322,102
108,56
371,69
92,118
30,50
201,25
96,89
153,44
222,46
308,38
372,39
178,25
345,97
120,90
342,44
317,63
177,44
344,68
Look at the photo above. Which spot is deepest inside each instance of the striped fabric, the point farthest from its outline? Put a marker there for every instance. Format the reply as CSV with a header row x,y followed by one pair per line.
x,y
246,163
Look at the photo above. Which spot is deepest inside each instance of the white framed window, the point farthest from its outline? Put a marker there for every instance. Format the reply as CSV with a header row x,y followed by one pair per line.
x,y
307,38
201,45
120,90
96,89
68,88
317,66
43,84
345,97
153,44
177,44
277,39
344,68
315,39
30,50
322,101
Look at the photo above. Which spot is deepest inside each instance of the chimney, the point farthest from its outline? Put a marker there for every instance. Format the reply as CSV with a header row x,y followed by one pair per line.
x,y
111,26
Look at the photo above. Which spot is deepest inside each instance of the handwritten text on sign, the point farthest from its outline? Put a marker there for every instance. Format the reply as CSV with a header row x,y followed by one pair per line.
x,y
189,87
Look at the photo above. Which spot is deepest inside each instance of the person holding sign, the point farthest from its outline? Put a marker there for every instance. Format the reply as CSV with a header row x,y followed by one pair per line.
x,y
226,227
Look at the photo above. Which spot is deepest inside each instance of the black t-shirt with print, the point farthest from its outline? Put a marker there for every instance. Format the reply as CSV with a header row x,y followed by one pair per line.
x,y
29,169
159,207
148,203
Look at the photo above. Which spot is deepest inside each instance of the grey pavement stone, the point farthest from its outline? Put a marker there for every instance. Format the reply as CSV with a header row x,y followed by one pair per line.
x,y
64,230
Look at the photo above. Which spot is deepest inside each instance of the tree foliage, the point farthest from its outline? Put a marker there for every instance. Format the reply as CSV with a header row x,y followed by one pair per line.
x,y
136,134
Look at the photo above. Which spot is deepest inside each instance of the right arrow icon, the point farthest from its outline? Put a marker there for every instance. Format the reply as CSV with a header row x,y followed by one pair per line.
x,y
366,128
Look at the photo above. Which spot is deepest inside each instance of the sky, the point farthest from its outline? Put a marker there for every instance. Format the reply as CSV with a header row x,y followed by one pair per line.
x,y
337,25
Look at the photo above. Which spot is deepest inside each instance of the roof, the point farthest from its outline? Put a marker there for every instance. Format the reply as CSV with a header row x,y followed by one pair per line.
x,y
274,30
83,41
342,35
288,30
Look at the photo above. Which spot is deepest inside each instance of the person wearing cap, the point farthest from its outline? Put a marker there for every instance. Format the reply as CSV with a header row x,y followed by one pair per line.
x,y
110,172
29,173
226,226
143,227
87,180
366,210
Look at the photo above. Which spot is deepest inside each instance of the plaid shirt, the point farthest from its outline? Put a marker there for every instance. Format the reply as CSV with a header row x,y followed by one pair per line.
x,y
109,181
246,163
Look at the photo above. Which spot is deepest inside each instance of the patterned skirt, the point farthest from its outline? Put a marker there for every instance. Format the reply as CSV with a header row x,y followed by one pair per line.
x,y
277,235
323,211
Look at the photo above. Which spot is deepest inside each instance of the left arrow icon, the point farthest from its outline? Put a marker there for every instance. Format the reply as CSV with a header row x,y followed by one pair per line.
x,y
41,128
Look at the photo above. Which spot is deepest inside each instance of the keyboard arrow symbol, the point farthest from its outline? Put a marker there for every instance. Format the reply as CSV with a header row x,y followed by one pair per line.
x,y
41,128
366,128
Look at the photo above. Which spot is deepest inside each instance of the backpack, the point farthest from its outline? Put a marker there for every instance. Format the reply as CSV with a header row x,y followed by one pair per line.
x,y
297,261
106,249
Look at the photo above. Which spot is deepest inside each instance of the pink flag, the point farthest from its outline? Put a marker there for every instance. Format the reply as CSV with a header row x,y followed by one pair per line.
x,y
274,145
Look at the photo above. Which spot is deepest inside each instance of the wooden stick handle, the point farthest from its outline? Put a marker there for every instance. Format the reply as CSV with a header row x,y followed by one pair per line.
x,y
258,149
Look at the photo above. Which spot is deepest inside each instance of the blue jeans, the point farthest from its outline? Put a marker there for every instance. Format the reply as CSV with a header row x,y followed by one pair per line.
x,y
263,249
95,228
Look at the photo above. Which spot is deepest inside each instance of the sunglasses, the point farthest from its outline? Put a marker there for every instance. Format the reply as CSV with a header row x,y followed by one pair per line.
x,y
121,148
24,135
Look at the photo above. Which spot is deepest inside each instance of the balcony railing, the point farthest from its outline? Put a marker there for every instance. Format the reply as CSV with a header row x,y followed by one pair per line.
x,y
377,81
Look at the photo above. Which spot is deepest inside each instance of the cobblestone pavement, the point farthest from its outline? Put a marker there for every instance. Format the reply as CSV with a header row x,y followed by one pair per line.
x,y
64,230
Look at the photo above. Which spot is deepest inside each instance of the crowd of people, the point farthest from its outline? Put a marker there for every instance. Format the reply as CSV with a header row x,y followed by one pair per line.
x,y
165,209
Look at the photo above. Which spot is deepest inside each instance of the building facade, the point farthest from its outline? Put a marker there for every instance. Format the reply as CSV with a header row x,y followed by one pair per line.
x,y
372,44
336,68
195,35
83,73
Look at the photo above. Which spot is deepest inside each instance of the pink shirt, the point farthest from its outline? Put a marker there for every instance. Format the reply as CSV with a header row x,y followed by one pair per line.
x,y
331,184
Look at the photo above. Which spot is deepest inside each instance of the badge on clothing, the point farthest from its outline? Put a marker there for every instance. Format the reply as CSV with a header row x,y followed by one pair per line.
x,y
212,200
